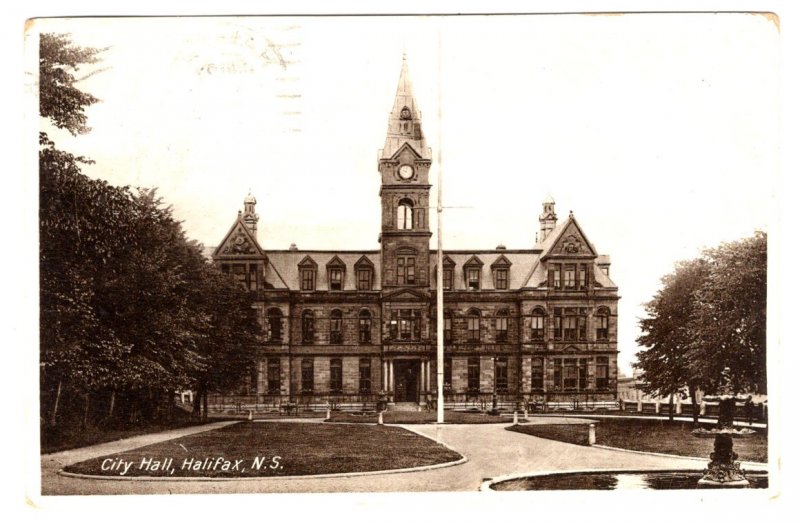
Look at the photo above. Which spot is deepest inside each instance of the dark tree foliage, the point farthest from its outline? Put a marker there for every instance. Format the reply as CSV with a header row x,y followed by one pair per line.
x,y
706,327
59,99
130,309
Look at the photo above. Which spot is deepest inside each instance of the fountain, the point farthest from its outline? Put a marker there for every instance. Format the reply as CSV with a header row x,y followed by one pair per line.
x,y
723,471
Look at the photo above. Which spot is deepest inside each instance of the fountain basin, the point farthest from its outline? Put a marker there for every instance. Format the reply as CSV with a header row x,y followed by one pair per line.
x,y
735,433
617,480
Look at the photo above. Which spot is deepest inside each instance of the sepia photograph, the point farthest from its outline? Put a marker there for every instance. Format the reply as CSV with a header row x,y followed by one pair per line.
x,y
406,253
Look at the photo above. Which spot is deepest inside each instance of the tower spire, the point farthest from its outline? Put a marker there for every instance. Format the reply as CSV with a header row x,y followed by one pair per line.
x,y
405,121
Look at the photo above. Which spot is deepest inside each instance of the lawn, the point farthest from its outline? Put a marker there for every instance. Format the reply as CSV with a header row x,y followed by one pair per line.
x,y
270,449
420,417
659,436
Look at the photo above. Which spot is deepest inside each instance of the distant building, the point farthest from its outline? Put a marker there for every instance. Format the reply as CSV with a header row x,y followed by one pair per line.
x,y
536,324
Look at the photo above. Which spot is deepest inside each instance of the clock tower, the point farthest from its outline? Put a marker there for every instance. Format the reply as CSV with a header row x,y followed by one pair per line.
x,y
403,164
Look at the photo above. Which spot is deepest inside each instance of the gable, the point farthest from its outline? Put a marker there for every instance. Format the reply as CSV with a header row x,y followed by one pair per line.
x,y
364,263
406,295
238,242
335,262
501,261
571,241
473,261
307,262
405,150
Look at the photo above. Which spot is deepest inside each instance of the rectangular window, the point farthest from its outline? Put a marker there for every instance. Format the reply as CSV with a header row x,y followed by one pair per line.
x,y
336,330
336,375
448,373
364,375
558,331
570,374
308,329
581,327
307,279
307,376
405,324
473,374
364,330
501,279
601,373
447,279
537,374
406,270
252,278
473,278
501,374
570,328
501,323
583,283
557,276
336,279
274,376
557,375
448,329
364,280
569,276
537,327
473,328
240,275
602,327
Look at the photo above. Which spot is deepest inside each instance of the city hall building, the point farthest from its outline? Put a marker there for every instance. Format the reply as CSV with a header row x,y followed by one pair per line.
x,y
522,327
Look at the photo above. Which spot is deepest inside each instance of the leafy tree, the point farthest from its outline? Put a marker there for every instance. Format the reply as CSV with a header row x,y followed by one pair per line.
x,y
706,328
666,364
59,100
731,316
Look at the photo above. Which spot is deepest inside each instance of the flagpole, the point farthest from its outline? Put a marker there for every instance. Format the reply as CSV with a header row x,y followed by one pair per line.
x,y
440,269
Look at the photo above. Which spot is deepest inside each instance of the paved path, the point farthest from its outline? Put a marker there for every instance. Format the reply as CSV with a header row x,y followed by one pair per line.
x,y
490,449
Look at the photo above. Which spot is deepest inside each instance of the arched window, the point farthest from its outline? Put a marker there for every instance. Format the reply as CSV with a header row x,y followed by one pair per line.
x,y
473,326
405,214
365,327
336,327
601,321
501,326
537,324
274,324
308,326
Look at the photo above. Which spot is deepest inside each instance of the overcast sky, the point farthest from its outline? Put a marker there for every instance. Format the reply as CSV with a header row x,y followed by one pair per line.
x,y
660,132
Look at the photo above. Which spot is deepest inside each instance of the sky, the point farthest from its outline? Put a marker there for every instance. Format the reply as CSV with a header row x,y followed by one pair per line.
x,y
660,132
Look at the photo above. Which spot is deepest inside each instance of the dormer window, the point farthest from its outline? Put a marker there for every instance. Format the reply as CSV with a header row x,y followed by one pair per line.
x,y
472,273
364,271
447,273
335,274
308,274
500,269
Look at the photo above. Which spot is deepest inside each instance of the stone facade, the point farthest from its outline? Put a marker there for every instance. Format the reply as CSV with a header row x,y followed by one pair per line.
x,y
349,328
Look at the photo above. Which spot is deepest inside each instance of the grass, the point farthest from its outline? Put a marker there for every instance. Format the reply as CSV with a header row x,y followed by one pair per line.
x,y
419,417
658,436
276,449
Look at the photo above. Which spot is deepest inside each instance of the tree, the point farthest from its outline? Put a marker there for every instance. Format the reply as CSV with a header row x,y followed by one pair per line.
x,y
666,364
731,316
59,100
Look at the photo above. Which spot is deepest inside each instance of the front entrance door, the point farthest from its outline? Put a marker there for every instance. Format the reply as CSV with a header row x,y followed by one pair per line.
x,y
406,380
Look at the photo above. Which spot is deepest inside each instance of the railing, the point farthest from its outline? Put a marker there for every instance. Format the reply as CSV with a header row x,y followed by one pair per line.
x,y
280,403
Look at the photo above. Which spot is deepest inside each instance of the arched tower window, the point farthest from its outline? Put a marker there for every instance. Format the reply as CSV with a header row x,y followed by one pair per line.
x,y
405,214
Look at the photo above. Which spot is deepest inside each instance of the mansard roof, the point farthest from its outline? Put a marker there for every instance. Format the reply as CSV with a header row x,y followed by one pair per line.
x,y
282,270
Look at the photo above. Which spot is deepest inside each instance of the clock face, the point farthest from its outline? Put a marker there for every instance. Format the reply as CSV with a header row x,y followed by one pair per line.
x,y
406,171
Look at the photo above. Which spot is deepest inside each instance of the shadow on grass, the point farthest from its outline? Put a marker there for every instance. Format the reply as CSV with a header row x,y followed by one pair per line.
x,y
275,449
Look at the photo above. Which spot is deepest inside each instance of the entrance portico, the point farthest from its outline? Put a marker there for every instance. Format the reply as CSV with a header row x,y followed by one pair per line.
x,y
407,378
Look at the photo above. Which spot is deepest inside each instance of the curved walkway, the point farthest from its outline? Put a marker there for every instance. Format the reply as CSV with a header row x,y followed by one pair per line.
x,y
491,451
